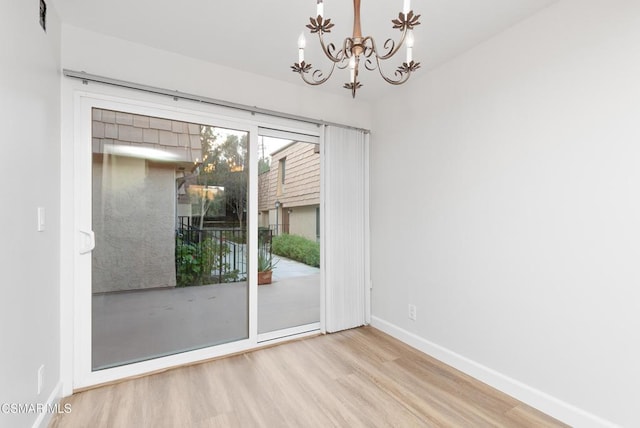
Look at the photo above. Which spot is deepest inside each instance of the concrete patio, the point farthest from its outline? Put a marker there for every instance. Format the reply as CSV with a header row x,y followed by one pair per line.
x,y
140,325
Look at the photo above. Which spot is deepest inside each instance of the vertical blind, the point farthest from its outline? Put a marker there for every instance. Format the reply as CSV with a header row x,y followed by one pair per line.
x,y
345,234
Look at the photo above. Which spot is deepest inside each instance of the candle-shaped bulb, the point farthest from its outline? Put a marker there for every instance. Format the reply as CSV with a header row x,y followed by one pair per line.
x,y
409,41
301,44
352,69
320,9
406,7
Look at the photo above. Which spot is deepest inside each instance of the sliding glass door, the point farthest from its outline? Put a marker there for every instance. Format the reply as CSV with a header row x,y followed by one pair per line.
x,y
169,213
179,216
289,207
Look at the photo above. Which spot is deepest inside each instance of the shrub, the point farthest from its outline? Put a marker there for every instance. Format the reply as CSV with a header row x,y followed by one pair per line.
x,y
297,248
188,264
199,263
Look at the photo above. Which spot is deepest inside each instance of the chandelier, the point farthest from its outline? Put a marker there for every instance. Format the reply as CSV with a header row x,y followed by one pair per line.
x,y
357,49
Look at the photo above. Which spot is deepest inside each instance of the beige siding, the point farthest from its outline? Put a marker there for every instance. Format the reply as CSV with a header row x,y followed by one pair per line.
x,y
300,192
265,201
302,178
117,128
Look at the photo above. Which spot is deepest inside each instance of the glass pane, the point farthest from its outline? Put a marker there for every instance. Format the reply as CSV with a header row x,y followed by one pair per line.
x,y
169,213
289,234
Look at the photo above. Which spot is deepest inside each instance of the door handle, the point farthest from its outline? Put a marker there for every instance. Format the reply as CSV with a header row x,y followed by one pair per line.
x,y
87,241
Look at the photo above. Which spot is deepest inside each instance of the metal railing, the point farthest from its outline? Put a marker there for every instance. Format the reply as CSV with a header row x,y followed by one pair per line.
x,y
213,256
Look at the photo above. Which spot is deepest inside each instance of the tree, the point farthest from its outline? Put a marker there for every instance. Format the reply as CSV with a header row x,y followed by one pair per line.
x,y
199,193
264,162
236,193
235,182
264,165
206,198
223,166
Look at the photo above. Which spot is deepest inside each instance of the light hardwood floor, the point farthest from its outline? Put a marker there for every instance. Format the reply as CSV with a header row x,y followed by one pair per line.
x,y
356,378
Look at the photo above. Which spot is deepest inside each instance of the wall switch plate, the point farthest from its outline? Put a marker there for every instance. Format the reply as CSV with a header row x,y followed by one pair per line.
x,y
412,312
41,219
40,378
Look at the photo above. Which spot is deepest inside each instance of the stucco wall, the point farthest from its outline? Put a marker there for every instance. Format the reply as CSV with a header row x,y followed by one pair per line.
x,y
134,221
134,200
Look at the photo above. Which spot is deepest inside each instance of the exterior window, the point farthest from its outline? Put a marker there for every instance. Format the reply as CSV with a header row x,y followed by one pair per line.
x,y
281,175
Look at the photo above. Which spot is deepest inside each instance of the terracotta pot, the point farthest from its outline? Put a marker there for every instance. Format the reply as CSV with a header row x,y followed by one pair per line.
x,y
264,277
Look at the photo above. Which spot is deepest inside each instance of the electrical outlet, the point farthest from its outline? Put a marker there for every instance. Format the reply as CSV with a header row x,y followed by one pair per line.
x,y
40,378
412,312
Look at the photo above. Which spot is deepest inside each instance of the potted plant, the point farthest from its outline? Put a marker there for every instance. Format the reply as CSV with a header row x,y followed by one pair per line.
x,y
265,267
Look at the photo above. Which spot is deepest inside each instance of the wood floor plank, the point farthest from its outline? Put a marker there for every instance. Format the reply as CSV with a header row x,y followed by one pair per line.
x,y
356,378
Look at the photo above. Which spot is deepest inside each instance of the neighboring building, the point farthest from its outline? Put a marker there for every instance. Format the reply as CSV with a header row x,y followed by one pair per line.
x,y
293,182
134,209
145,186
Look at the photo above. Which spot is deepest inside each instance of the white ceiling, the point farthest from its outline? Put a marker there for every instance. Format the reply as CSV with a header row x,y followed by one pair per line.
x,y
260,36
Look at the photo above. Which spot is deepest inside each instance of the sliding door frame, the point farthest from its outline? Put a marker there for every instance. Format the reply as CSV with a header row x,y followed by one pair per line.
x,y
287,333
77,325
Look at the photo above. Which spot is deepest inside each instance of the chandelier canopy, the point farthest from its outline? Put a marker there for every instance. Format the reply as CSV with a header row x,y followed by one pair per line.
x,y
357,48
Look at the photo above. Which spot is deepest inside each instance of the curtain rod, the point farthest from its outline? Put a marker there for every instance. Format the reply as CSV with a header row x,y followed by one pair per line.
x,y
86,77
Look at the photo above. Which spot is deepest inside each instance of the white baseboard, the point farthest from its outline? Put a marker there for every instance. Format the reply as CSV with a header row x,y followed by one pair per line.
x,y
552,406
44,418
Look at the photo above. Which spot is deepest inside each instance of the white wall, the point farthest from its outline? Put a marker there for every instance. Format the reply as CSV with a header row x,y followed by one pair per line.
x,y
119,59
29,260
506,197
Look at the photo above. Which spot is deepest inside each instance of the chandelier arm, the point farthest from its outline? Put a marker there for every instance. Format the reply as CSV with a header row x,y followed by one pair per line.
x,y
403,76
328,48
394,47
369,65
316,75
347,48
368,49
344,64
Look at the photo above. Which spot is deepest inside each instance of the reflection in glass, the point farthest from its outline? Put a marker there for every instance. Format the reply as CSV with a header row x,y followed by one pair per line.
x,y
289,234
169,271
